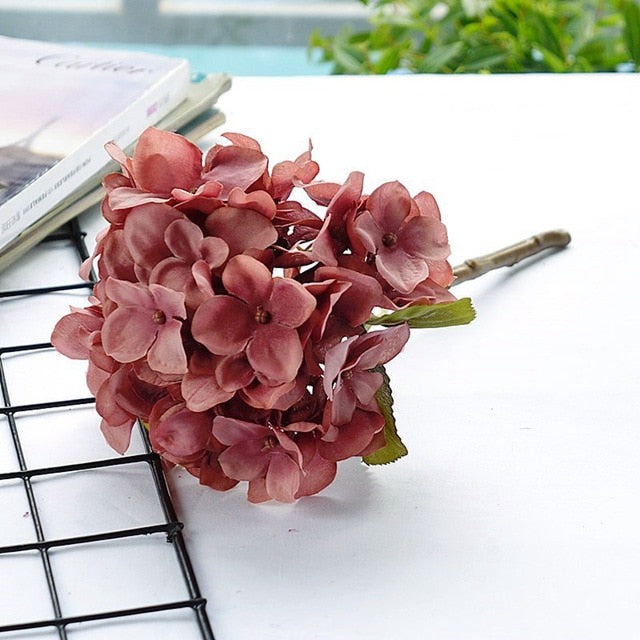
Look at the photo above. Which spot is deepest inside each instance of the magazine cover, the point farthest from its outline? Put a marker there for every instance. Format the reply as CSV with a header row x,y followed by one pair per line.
x,y
194,117
59,105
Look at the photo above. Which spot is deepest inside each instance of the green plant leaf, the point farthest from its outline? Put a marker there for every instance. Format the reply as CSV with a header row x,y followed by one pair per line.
x,y
632,30
438,58
388,60
513,36
444,314
349,59
547,34
394,448
486,58
507,20
553,62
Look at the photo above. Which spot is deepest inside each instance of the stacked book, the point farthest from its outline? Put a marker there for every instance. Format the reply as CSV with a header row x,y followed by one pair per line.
x,y
61,104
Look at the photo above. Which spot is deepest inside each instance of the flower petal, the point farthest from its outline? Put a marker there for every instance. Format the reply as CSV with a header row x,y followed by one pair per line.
x,y
283,478
364,385
180,432
144,230
275,353
128,197
356,303
71,335
368,231
343,404
241,229
230,431
169,301
199,386
233,373
263,396
290,303
259,201
107,400
214,251
322,192
382,346
202,392
334,361
163,161
118,437
402,271
236,166
441,273
323,249
210,473
257,491
129,294
318,473
248,279
167,354
424,238
222,324
201,273
116,261
427,205
389,204
183,238
128,333
244,461
353,437
347,198
173,273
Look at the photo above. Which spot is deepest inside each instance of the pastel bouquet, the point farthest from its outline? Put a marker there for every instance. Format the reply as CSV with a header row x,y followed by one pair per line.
x,y
248,329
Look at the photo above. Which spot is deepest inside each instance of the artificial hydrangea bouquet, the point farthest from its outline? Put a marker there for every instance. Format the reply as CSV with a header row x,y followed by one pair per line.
x,y
247,330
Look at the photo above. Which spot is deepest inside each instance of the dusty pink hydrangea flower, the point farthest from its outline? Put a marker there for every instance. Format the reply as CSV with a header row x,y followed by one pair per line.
x,y
233,318
146,321
349,379
401,238
260,317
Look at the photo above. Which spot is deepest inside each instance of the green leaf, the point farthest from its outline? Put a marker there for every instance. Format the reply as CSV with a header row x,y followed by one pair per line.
x,y
566,35
349,59
444,314
547,34
553,62
632,30
438,58
486,63
507,20
394,448
388,61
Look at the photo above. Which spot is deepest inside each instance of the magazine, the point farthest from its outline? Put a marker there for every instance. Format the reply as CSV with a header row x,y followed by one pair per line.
x,y
193,118
59,104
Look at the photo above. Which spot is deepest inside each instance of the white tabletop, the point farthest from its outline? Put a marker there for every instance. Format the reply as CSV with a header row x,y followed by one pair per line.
x,y
516,512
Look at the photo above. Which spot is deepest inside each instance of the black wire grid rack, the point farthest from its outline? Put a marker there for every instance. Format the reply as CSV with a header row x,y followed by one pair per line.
x,y
50,594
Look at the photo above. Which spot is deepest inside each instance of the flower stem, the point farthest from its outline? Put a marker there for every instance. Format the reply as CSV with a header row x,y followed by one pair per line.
x,y
511,255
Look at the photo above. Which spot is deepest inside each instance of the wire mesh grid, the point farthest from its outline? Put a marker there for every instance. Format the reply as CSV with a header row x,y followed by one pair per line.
x,y
38,560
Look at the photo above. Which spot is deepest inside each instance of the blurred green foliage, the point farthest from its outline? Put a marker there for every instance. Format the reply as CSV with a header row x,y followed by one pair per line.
x,y
490,36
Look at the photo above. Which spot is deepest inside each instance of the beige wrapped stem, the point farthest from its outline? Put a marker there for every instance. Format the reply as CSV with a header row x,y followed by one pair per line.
x,y
510,255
